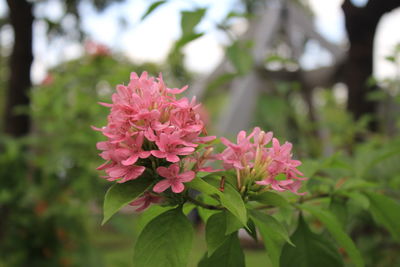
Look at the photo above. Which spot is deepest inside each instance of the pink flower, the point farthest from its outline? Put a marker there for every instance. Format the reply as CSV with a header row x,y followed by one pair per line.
x,y
48,80
170,146
96,49
145,201
121,173
174,179
253,161
241,154
133,150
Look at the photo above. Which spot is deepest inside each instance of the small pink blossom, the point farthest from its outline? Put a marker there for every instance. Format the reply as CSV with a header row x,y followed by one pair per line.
x,y
170,146
174,179
121,173
145,201
96,49
48,80
133,150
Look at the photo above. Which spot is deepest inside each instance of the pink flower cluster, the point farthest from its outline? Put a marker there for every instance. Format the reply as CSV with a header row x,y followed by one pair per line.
x,y
268,166
149,127
150,130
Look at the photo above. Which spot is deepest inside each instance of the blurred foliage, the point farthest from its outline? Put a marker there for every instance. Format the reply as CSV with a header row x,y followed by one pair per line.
x,y
49,183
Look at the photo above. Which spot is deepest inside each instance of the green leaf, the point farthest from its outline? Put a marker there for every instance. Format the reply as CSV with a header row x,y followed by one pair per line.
x,y
188,207
165,242
119,195
232,223
190,19
391,59
358,199
229,254
311,250
240,56
251,229
273,233
386,211
338,206
184,40
215,232
148,215
335,228
271,198
204,213
152,7
309,167
232,201
203,187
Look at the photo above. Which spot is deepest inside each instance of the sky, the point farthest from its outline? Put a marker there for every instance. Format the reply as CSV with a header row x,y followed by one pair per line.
x,y
151,39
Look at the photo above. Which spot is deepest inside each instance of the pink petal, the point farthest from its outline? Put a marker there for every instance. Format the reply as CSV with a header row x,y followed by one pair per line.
x,y
172,158
161,186
275,145
103,166
209,169
184,150
225,141
164,172
106,104
129,161
206,139
96,128
177,187
263,182
158,154
141,200
139,140
102,145
117,171
174,170
177,91
143,207
285,182
186,176
144,154
241,136
132,174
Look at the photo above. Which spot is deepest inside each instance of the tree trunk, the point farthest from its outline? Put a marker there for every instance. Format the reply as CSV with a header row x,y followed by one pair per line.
x,y
19,83
361,23
21,18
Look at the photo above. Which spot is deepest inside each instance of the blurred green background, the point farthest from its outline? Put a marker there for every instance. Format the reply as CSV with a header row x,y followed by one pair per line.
x,y
50,192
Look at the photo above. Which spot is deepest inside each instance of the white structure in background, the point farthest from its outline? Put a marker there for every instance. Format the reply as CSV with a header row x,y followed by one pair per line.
x,y
278,17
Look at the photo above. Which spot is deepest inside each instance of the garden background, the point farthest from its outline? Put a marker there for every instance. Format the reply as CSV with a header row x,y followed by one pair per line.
x,y
58,59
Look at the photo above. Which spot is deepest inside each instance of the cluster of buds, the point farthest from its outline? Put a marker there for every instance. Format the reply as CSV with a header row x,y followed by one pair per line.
x,y
255,163
149,129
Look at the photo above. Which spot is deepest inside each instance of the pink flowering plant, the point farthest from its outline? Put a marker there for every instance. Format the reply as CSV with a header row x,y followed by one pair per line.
x,y
158,154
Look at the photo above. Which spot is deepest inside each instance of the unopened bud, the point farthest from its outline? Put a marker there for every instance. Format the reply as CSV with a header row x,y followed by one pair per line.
x,y
208,152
